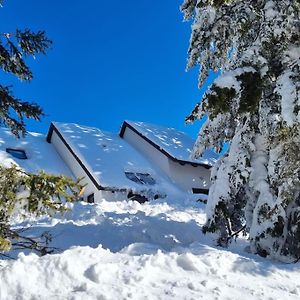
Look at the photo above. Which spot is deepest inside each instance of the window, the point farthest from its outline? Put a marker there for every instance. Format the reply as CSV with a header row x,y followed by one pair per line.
x,y
90,198
140,178
131,176
17,153
200,191
146,178
137,197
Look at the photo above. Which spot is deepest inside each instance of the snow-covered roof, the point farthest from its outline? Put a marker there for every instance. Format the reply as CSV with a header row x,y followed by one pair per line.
x,y
175,144
106,156
40,154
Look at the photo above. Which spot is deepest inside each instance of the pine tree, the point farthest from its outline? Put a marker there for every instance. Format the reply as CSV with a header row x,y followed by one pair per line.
x,y
14,48
255,105
21,192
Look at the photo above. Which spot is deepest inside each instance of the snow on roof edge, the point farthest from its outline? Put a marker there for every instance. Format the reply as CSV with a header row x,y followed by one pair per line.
x,y
207,163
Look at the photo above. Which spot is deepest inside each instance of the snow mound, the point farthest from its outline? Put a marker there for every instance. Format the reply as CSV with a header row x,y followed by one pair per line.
x,y
203,273
125,250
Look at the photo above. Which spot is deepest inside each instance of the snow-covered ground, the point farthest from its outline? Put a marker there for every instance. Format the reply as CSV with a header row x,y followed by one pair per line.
x,y
127,250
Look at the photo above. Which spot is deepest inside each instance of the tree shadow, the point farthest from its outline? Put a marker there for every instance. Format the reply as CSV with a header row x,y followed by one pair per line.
x,y
256,265
115,231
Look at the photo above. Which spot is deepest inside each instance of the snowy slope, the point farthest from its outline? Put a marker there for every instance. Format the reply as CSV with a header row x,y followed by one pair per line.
x,y
151,251
176,143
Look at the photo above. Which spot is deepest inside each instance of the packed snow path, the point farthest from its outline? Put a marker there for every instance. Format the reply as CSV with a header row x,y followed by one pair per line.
x,y
150,251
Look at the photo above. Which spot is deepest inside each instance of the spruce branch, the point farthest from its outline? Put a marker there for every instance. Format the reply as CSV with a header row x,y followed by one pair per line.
x,y
13,111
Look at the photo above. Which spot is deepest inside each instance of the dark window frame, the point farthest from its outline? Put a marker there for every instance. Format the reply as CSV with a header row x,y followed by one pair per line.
x,y
140,178
132,176
90,198
200,191
17,153
137,197
146,178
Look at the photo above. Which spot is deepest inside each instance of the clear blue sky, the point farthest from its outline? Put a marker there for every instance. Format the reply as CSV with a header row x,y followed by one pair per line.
x,y
110,61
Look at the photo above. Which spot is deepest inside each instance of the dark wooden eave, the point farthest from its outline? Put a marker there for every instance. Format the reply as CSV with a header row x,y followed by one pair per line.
x,y
156,146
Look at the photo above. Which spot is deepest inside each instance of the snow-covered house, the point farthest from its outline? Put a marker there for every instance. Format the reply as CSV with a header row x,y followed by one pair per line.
x,y
107,164
142,162
170,150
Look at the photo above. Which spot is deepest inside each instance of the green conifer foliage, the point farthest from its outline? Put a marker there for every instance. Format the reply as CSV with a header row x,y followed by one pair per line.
x,y
21,192
37,194
14,48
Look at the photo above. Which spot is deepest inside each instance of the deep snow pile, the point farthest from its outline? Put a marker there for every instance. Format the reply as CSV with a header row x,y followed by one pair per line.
x,y
150,251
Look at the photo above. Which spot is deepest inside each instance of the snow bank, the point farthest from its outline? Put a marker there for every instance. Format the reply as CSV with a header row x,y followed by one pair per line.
x,y
134,251
116,225
126,250
201,273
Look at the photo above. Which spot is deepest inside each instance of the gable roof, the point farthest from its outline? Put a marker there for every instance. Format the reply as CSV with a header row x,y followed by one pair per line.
x,y
173,143
104,156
